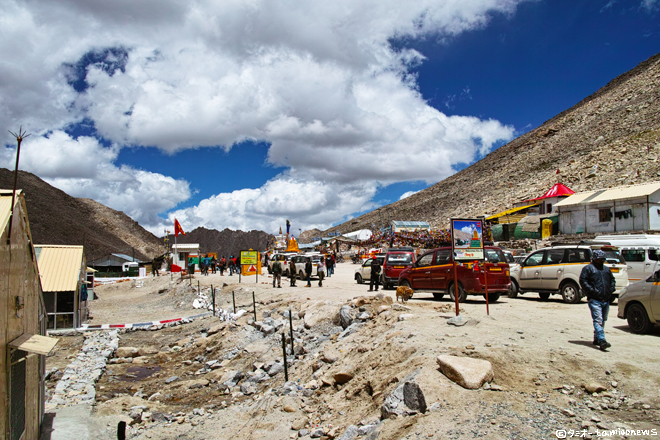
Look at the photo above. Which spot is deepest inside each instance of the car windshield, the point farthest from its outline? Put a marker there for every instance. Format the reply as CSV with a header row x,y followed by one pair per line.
x,y
509,258
613,257
399,258
495,256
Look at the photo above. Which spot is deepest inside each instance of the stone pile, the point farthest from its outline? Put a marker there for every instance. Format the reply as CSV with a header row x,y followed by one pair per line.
x,y
77,384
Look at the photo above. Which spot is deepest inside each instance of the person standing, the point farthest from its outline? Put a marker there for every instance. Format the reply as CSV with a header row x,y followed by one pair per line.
x,y
308,272
328,264
277,272
598,284
375,274
231,265
223,264
292,272
320,270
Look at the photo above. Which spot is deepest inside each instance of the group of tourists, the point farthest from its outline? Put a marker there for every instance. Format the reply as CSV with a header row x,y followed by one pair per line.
x,y
326,264
216,265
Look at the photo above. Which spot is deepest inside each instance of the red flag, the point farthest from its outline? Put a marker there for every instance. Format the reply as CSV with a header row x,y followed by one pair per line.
x,y
177,228
557,171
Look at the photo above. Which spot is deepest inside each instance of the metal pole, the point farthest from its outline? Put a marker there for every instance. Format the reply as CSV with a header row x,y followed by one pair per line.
x,y
254,305
198,287
456,288
291,330
286,371
213,294
19,138
486,282
233,298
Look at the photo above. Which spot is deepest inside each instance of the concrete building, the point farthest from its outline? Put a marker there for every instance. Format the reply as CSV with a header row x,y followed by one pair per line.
x,y
22,326
181,252
63,274
625,208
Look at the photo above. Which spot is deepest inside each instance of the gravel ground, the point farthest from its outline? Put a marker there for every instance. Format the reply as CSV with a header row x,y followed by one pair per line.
x,y
541,354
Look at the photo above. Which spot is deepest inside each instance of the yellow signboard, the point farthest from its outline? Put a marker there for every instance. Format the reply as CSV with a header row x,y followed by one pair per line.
x,y
249,257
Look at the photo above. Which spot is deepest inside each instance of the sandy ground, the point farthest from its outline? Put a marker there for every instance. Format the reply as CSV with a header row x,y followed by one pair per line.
x,y
541,354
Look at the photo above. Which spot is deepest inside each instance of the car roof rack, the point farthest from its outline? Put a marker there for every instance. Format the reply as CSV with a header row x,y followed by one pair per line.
x,y
581,243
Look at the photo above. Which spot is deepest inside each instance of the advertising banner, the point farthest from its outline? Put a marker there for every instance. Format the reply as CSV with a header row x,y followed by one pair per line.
x,y
467,240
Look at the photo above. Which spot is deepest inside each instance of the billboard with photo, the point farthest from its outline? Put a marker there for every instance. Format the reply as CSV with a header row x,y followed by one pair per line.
x,y
467,239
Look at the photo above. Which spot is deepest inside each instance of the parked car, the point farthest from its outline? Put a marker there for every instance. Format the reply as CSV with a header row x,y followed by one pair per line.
x,y
395,261
556,270
641,252
520,258
514,266
434,272
639,304
284,260
300,261
363,273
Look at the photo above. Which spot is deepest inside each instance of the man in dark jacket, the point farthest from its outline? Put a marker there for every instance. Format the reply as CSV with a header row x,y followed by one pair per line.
x,y
308,272
375,274
598,284
292,272
277,272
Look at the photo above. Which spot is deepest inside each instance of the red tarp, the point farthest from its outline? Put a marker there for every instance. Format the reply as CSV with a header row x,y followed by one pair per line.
x,y
558,190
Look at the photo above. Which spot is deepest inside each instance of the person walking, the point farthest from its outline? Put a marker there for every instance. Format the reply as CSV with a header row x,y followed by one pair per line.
x,y
308,272
231,265
598,284
375,274
328,264
292,272
277,272
223,265
320,270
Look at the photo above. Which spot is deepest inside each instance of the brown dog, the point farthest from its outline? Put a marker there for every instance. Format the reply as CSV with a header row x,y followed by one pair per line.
x,y
404,292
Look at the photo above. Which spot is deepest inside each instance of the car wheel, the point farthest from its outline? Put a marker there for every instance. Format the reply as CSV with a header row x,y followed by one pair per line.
x,y
301,275
438,295
544,296
286,273
571,293
513,290
462,296
492,297
358,278
638,319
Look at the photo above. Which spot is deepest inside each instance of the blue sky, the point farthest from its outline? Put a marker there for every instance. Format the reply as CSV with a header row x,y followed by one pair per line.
x,y
224,114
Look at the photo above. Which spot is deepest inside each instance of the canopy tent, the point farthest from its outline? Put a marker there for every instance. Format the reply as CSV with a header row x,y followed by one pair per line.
x,y
557,190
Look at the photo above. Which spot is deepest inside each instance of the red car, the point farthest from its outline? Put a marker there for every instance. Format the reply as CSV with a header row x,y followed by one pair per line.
x,y
396,260
434,272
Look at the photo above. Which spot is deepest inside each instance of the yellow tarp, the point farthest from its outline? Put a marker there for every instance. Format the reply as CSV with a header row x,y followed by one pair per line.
x,y
510,211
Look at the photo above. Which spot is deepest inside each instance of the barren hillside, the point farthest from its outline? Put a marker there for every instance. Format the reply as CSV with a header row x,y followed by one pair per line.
x,y
226,242
610,138
57,218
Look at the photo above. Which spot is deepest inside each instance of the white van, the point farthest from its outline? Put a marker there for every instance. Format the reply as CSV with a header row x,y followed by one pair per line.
x,y
640,251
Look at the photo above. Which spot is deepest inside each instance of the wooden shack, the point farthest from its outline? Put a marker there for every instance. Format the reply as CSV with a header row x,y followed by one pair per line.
x,y
22,325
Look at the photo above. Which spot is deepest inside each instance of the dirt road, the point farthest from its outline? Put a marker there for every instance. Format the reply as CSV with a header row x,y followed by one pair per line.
x,y
541,354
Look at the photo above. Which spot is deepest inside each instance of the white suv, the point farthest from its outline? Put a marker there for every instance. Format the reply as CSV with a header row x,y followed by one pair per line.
x,y
556,270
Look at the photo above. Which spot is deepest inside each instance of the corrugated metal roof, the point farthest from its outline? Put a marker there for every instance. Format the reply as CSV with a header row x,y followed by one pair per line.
x,y
405,224
59,267
5,204
607,195
124,256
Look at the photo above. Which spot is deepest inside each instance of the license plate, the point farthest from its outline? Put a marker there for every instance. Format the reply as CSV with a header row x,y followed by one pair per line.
x,y
399,267
496,269
615,269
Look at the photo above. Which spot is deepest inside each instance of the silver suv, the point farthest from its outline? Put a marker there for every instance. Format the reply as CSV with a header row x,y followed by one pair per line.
x,y
556,270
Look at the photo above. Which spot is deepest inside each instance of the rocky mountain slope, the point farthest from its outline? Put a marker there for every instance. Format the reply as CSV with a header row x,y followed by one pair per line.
x,y
226,242
610,138
57,218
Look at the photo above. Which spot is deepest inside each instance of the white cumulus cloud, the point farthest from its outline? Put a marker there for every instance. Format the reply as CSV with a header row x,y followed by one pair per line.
x,y
319,82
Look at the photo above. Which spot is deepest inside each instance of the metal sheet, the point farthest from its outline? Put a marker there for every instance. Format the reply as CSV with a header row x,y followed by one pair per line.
x,y
34,343
59,267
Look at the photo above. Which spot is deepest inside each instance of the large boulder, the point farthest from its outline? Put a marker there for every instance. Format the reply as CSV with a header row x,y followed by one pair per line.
x,y
467,372
406,398
127,352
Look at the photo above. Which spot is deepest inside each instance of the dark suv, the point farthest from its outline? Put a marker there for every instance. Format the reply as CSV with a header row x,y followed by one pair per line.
x,y
434,272
396,260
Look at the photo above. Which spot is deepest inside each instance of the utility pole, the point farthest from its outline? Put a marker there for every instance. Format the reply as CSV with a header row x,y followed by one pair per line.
x,y
19,138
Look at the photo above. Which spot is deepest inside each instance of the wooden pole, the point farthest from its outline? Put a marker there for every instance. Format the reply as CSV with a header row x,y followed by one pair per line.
x,y
233,298
254,305
291,330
